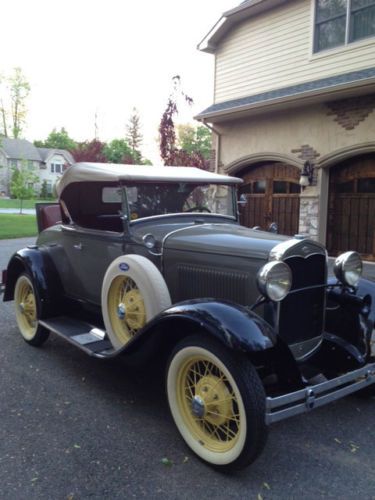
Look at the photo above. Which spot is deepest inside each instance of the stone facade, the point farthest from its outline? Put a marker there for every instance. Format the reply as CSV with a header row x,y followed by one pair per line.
x,y
309,217
350,112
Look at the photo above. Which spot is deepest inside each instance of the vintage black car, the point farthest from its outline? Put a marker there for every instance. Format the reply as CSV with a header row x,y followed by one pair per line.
x,y
152,262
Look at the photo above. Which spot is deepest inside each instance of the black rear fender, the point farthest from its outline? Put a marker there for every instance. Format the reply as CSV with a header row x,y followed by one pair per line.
x,y
37,263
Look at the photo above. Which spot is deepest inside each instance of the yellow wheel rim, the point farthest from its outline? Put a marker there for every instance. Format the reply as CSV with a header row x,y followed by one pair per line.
x,y
208,404
126,308
26,313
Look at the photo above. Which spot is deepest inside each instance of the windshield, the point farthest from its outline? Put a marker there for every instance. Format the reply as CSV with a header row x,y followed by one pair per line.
x,y
146,200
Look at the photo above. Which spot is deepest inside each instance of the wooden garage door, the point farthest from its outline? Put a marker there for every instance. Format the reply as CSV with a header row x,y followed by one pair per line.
x,y
351,207
273,196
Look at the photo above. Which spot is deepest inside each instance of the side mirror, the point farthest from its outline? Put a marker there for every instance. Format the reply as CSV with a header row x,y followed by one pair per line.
x,y
242,202
273,227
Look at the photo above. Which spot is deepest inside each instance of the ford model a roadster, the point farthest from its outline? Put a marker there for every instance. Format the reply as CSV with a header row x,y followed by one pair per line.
x,y
152,261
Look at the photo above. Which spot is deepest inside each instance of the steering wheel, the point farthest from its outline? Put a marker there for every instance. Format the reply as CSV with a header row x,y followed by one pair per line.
x,y
198,208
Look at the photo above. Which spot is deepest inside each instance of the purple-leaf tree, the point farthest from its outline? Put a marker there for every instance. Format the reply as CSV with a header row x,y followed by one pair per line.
x,y
170,153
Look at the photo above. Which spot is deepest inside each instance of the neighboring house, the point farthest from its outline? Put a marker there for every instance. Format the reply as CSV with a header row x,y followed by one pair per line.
x,y
295,81
47,164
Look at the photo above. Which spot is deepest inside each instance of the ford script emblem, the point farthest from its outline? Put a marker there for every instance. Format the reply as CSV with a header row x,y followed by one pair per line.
x,y
123,266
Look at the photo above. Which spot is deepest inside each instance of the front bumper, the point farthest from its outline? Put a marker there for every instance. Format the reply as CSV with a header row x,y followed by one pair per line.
x,y
314,396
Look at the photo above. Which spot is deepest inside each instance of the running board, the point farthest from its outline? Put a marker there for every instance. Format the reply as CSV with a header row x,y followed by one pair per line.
x,y
86,337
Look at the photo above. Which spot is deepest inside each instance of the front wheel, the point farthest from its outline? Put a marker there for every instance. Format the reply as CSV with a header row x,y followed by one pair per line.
x,y
217,402
26,304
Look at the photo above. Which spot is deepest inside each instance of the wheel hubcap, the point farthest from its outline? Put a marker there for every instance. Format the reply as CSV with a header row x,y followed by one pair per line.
x,y
121,311
197,407
216,399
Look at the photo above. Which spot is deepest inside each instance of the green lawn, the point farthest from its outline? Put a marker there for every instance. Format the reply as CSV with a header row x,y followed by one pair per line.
x,y
4,203
17,226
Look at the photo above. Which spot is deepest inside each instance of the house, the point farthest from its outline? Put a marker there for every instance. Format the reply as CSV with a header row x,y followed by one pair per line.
x,y
47,164
294,93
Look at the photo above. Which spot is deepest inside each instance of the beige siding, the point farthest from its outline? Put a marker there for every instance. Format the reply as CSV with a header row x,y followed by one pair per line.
x,y
274,50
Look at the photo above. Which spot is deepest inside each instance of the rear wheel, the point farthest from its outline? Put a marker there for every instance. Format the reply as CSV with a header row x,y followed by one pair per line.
x,y
218,403
26,304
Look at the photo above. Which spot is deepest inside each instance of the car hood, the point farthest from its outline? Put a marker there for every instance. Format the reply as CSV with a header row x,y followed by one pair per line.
x,y
223,239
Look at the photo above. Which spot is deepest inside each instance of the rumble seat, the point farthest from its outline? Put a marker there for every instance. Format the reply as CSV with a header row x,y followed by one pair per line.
x,y
48,215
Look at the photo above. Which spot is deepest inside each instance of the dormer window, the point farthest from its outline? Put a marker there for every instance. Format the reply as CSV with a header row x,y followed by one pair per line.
x,y
340,22
56,168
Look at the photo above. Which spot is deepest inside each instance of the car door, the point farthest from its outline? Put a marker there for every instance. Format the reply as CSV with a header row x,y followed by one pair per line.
x,y
89,252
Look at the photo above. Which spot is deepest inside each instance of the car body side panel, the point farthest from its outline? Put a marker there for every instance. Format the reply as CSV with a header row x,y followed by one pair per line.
x,y
83,258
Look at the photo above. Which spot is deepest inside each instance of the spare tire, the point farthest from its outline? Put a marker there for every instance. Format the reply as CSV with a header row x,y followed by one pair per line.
x,y
133,292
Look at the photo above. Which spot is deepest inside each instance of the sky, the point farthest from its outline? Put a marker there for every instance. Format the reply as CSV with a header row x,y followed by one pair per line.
x,y
87,57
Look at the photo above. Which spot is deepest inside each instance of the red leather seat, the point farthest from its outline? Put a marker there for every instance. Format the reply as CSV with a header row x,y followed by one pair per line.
x,y
49,216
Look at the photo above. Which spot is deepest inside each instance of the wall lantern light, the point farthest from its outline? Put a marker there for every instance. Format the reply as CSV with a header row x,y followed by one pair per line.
x,y
306,174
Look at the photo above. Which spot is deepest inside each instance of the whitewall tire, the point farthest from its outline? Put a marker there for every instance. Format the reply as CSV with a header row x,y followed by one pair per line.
x,y
133,292
217,402
27,307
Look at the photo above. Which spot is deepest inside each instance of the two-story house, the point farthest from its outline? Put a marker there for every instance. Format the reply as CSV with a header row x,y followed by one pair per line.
x,y
294,93
47,164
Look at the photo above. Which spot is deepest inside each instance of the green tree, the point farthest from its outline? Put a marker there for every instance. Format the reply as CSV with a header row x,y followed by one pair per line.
x,y
133,134
195,139
119,151
19,89
44,191
58,140
22,183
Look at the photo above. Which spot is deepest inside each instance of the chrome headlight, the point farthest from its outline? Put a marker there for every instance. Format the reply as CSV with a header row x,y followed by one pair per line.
x,y
348,268
274,280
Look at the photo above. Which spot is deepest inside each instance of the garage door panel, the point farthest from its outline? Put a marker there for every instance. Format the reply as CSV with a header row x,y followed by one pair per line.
x,y
351,207
279,201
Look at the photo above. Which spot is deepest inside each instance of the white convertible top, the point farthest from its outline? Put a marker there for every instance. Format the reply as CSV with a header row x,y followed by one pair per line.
x,y
111,172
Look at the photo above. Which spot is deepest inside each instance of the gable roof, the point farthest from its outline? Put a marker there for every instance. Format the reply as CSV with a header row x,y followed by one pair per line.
x,y
45,153
230,18
19,149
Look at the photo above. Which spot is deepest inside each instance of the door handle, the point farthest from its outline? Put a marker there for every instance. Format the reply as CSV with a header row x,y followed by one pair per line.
x,y
78,246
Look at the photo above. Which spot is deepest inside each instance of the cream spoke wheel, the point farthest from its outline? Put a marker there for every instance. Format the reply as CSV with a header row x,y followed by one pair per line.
x,y
217,401
27,311
212,399
127,308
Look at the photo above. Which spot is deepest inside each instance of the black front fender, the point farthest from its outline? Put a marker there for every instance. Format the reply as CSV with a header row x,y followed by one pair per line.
x,y
37,263
232,324
367,287
350,314
235,326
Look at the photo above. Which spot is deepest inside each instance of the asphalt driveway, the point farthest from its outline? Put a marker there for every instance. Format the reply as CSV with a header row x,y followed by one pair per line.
x,y
72,427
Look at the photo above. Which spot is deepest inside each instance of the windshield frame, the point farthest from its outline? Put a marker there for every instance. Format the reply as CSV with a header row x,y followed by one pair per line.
x,y
232,192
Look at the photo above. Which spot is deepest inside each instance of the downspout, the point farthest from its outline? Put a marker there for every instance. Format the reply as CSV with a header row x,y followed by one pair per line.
x,y
218,145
